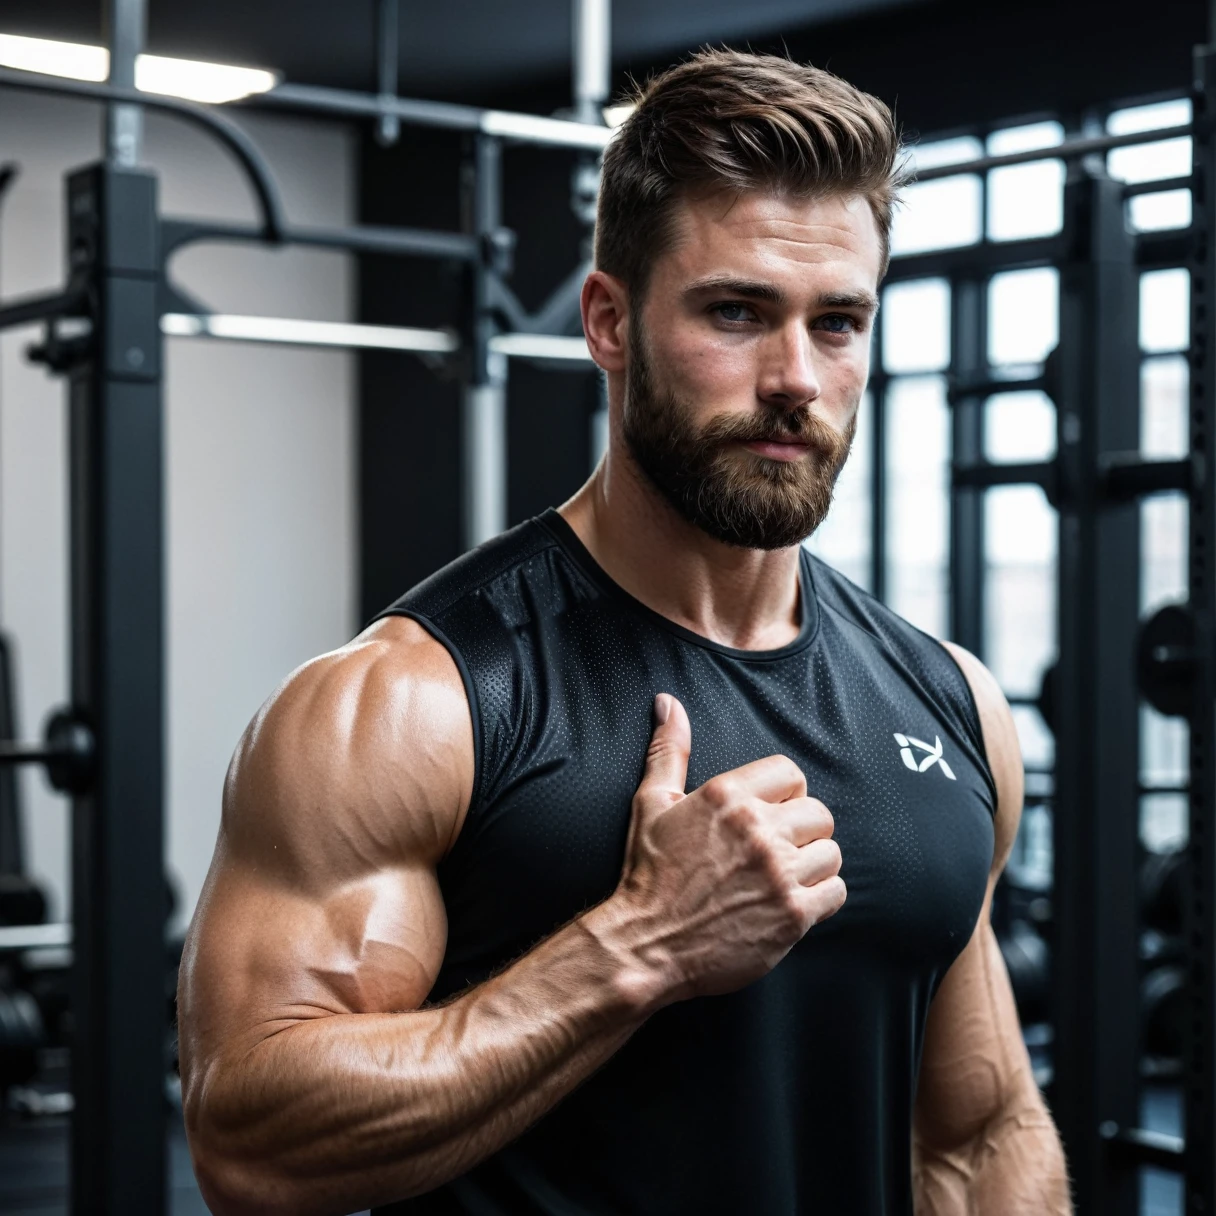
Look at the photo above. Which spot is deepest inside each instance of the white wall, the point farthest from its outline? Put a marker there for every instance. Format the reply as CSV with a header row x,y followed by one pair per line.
x,y
260,509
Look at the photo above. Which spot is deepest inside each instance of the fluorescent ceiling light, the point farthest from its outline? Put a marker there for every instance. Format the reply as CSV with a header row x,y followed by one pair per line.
x,y
198,81
54,58
293,332
188,78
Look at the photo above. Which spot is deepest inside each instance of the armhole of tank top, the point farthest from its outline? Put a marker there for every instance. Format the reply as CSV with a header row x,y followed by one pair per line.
x,y
470,692
977,723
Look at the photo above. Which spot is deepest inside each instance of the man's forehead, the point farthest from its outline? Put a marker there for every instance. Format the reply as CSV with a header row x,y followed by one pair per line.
x,y
777,230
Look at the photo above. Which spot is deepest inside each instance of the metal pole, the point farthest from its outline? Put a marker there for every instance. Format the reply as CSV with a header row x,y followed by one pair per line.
x,y
127,22
592,58
1200,1061
1096,821
388,33
969,361
484,408
878,465
117,509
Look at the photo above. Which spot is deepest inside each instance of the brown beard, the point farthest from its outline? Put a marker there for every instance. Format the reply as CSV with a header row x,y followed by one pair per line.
x,y
735,496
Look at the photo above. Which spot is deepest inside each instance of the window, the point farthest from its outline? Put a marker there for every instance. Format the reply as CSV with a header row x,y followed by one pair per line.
x,y
843,540
1025,200
940,214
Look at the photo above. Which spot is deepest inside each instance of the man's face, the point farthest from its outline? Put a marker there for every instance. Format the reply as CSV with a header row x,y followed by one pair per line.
x,y
747,361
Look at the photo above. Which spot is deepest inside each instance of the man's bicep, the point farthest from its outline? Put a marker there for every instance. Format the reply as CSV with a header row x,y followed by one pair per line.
x,y
322,898
975,1063
264,955
974,1060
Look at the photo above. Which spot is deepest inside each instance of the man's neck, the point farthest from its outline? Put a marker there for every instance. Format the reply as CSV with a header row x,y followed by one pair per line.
x,y
744,598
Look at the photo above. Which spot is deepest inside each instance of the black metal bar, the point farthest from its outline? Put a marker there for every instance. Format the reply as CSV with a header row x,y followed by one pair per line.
x,y
1156,250
69,303
1125,476
388,34
878,471
1199,1063
117,507
968,363
961,387
227,132
1096,823
12,827
1159,186
985,476
987,257
403,242
1132,1146
12,752
1071,149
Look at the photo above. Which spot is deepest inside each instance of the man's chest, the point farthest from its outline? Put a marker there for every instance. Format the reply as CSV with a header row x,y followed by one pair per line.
x,y
911,812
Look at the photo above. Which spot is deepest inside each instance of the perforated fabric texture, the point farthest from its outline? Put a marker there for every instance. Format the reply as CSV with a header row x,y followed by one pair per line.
x,y
793,1095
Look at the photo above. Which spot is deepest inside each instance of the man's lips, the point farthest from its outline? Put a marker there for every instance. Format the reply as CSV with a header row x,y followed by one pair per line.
x,y
775,449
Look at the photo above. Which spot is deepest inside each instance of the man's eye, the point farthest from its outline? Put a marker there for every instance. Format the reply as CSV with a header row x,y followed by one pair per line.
x,y
837,323
733,312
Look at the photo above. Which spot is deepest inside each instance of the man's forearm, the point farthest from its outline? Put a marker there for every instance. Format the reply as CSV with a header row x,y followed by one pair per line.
x,y
1014,1167
332,1113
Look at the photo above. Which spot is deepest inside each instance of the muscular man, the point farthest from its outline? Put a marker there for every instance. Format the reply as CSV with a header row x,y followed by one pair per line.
x,y
532,899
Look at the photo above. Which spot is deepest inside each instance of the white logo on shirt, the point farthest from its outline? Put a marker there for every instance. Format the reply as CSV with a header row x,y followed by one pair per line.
x,y
933,757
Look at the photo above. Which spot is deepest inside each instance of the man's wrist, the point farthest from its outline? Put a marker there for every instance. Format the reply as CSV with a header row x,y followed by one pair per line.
x,y
642,981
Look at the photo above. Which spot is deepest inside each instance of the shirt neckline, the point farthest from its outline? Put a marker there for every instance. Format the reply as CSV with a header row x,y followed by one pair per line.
x,y
567,540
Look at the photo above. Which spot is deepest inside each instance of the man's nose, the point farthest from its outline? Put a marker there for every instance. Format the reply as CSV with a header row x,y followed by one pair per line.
x,y
788,378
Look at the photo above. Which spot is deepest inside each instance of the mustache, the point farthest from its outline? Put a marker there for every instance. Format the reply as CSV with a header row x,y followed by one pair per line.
x,y
798,426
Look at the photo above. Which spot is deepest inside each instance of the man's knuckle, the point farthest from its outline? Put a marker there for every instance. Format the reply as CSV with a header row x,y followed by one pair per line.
x,y
743,818
828,820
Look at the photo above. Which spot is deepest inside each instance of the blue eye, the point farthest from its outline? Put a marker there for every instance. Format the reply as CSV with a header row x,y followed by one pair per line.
x,y
836,323
733,312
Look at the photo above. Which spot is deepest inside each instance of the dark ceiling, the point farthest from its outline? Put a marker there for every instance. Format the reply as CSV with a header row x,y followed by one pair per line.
x,y
460,48
941,63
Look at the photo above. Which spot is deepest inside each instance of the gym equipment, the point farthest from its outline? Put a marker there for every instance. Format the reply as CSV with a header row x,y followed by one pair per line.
x,y
104,330
1164,881
1028,961
1165,659
22,901
21,1035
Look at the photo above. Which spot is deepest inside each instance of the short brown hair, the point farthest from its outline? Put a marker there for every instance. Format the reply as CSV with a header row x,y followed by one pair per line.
x,y
736,121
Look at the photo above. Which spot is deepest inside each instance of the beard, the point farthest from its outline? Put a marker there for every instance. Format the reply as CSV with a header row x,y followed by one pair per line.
x,y
736,496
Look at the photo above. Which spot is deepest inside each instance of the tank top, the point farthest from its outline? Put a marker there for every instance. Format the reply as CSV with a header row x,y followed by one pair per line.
x,y
793,1095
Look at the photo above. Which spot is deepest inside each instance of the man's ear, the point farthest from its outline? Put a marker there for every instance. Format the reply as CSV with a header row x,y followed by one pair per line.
x,y
605,305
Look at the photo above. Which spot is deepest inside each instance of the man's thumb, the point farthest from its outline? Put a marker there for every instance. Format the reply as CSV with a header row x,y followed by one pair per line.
x,y
667,756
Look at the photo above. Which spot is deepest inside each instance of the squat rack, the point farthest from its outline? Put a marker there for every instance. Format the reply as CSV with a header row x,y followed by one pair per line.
x,y
104,332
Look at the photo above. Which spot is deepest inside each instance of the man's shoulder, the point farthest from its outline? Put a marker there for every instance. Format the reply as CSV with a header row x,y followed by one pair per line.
x,y
371,742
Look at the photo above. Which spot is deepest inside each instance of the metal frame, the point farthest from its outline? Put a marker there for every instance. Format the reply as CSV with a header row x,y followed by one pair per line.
x,y
109,749
1096,482
104,331
1200,1064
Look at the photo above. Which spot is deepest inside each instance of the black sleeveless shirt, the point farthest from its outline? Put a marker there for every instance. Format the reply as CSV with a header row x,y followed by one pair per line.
x,y
793,1095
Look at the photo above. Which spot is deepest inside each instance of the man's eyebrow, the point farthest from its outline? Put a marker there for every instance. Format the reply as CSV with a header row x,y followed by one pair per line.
x,y
750,289
867,301
756,289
